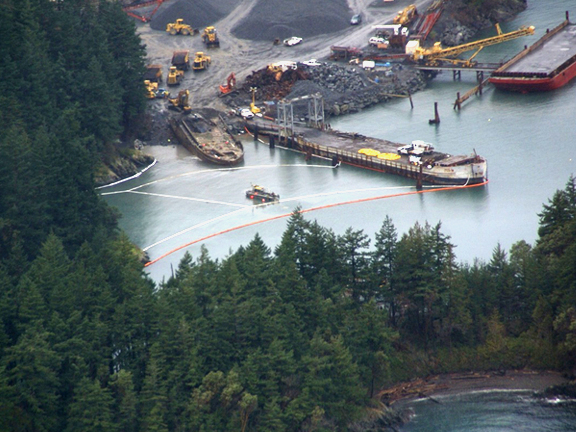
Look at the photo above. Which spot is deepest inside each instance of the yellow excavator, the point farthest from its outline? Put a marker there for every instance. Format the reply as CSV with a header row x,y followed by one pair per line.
x,y
436,54
406,15
181,102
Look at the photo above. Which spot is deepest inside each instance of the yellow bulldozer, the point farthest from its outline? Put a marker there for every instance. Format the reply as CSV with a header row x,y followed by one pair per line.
x,y
201,61
175,76
179,27
210,37
181,102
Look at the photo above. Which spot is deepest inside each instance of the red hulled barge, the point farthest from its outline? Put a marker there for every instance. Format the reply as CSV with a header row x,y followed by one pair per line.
x,y
548,64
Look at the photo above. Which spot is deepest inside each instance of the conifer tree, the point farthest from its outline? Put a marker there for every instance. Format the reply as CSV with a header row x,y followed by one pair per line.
x,y
91,409
28,375
383,266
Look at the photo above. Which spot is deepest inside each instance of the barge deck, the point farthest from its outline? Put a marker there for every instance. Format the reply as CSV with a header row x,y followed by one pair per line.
x,y
546,65
377,154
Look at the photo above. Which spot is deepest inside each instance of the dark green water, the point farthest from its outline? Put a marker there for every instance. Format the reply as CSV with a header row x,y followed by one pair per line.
x,y
492,411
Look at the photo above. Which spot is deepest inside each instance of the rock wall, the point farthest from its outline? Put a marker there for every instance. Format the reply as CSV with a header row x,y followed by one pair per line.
x,y
462,19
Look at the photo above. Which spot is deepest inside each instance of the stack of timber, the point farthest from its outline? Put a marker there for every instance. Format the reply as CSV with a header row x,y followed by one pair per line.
x,y
548,64
208,139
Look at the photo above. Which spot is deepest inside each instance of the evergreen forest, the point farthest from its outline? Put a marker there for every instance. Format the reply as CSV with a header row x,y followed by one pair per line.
x,y
301,337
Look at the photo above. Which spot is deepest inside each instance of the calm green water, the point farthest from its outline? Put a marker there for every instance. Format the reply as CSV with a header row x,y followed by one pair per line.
x,y
492,411
529,142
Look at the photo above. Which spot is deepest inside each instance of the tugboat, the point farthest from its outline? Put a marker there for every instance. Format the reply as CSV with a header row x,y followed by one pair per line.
x,y
258,193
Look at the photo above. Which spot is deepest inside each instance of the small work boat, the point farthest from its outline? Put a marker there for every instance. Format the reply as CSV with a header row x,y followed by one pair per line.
x,y
258,193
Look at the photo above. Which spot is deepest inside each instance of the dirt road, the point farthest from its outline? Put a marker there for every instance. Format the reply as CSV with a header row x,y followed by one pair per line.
x,y
244,56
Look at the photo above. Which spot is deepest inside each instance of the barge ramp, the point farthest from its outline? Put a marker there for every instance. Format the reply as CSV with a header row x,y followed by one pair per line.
x,y
376,154
548,64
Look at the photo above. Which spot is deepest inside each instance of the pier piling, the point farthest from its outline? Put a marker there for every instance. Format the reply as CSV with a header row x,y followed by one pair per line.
x,y
436,119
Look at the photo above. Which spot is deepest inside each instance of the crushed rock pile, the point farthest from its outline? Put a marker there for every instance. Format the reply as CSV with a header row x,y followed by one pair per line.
x,y
197,13
271,19
268,19
344,89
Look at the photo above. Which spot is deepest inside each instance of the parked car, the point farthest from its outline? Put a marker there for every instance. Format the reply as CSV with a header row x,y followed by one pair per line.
x,y
245,113
312,62
356,19
292,41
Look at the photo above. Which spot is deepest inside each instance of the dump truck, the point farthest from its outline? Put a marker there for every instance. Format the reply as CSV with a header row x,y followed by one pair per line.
x,y
181,59
179,27
175,76
201,61
153,73
210,37
181,102
344,53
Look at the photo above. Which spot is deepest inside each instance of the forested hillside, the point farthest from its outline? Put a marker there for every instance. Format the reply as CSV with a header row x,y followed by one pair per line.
x,y
299,338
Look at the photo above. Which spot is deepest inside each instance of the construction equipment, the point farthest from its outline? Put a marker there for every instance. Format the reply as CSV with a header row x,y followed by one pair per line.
x,y
201,61
210,37
253,108
278,68
144,18
435,54
406,15
175,76
152,90
181,102
181,59
153,73
344,52
230,86
396,34
179,27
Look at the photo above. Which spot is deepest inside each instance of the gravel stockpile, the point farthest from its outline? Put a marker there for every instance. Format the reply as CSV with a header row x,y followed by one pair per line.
x,y
346,89
271,19
267,20
197,13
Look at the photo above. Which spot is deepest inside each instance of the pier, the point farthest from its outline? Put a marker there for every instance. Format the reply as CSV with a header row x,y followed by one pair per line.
x,y
341,147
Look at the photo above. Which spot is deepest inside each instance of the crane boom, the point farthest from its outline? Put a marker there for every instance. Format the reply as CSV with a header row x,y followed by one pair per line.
x,y
437,53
